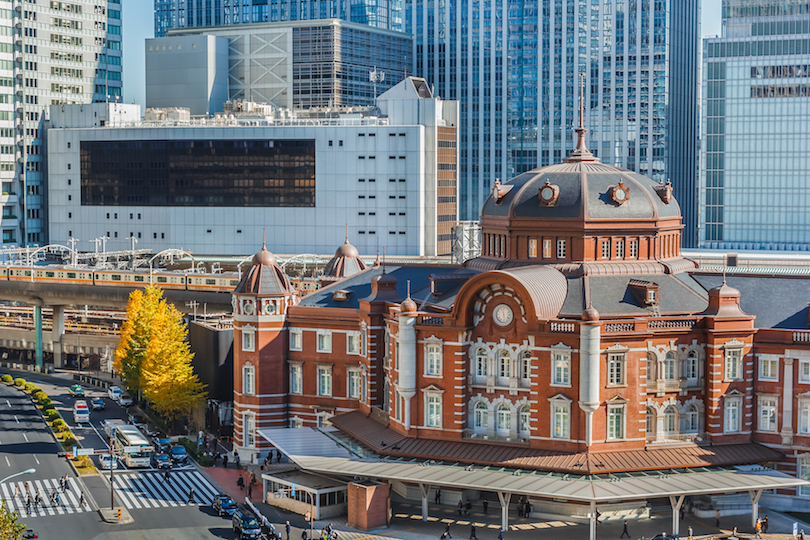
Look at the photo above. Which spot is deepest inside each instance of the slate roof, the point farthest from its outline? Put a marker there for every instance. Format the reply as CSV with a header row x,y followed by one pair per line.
x,y
777,302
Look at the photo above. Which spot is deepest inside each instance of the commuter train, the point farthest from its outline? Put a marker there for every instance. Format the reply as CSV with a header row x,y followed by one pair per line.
x,y
222,282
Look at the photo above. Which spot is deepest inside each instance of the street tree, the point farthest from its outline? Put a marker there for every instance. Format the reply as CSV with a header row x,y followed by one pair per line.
x,y
170,384
136,334
9,528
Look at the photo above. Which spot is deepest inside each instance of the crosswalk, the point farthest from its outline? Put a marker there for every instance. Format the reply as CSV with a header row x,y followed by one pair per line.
x,y
17,499
141,490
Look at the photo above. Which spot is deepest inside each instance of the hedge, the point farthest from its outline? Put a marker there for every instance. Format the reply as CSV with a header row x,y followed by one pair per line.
x,y
51,414
58,423
29,386
46,402
195,452
69,441
7,378
39,396
19,382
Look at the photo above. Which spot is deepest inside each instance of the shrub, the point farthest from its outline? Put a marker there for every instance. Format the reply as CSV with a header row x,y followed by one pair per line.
x,y
29,387
46,401
62,428
52,415
58,423
69,440
195,452
35,390
39,396
7,378
19,382
83,461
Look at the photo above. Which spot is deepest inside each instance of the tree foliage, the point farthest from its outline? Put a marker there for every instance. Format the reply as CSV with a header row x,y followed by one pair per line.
x,y
136,333
9,528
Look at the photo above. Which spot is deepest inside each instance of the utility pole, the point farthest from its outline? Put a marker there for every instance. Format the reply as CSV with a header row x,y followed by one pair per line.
x,y
376,77
134,241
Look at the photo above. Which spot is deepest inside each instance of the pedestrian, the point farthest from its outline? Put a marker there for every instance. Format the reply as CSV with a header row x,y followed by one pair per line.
x,y
469,508
166,476
438,497
485,503
238,462
67,483
447,531
17,492
36,502
758,528
683,512
287,528
250,490
801,534
500,534
765,524
528,509
717,519
690,533
58,499
472,532
460,505
82,502
28,504
53,497
304,534
225,461
624,531
191,496
520,507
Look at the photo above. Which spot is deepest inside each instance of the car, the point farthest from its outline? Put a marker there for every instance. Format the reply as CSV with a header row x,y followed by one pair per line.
x,y
135,421
161,461
76,391
150,431
97,404
223,505
114,392
80,411
108,462
245,524
125,400
179,454
163,445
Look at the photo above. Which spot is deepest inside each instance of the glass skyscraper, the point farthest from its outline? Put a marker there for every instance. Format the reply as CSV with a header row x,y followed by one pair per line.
x,y
170,14
755,127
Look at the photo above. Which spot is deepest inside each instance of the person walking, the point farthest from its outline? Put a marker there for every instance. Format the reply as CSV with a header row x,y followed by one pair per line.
x,y
765,524
59,500
287,528
250,490
624,531
447,531
17,492
304,534
67,483
472,532
460,506
82,502
500,534
801,534
225,461
438,498
485,504
469,508
191,496
237,461
167,476
53,497
717,519
520,507
528,510
758,528
28,504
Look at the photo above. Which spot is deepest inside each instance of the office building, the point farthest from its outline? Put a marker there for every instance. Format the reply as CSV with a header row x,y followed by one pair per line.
x,y
170,14
211,185
64,52
754,129
303,64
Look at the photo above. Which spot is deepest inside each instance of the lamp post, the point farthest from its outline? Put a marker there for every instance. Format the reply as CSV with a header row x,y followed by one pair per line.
x,y
27,471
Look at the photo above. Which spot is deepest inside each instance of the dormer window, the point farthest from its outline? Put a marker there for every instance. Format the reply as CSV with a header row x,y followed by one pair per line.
x,y
341,295
645,292
652,296
499,191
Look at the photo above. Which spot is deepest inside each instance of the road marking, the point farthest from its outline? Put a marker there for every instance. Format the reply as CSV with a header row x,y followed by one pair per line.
x,y
9,403
8,462
17,419
25,437
35,459
99,435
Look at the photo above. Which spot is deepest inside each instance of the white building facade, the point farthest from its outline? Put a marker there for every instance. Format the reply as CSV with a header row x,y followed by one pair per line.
x,y
211,185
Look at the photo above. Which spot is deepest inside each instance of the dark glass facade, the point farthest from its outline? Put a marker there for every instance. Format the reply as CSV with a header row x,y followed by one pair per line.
x,y
239,173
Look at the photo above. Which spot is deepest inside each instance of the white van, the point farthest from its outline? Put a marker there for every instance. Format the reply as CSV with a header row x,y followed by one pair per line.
x,y
114,392
81,412
112,423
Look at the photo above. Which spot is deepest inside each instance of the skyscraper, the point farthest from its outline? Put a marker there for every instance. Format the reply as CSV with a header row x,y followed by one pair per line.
x,y
755,128
514,67
63,52
188,13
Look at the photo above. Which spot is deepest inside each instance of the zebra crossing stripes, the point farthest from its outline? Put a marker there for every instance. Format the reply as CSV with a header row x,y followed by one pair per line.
x,y
16,500
145,490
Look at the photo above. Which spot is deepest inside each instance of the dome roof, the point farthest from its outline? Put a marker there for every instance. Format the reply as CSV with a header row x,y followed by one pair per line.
x,y
345,263
347,250
408,306
581,190
264,276
264,258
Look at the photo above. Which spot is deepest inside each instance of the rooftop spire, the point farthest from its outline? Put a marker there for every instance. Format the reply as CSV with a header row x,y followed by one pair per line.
x,y
581,152
264,234
347,233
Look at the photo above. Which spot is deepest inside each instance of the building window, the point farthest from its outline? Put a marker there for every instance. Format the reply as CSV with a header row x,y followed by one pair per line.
x,y
616,369
620,249
615,422
248,340
504,419
532,248
296,379
634,249
296,340
561,369
804,416
804,474
249,429
692,366
353,343
671,420
504,362
651,361
670,371
561,420
767,414
606,249
354,384
733,364
692,420
324,341
481,362
525,366
433,416
769,368
481,416
650,422
324,381
248,380
525,421
732,415
433,360
560,249
546,249
804,371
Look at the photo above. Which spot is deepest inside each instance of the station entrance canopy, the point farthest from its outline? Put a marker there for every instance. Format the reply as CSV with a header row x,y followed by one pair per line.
x,y
322,451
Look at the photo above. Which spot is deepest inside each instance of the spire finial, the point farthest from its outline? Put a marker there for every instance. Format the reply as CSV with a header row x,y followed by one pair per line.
x,y
347,233
581,99
581,152
383,261
408,288
725,263
264,237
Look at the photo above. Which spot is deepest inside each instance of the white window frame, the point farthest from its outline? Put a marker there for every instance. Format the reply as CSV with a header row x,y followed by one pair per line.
x,y
804,370
560,409
769,367
248,339
532,248
248,380
804,414
296,378
503,361
353,343
732,423
353,383
525,421
616,411
606,249
634,249
617,368
249,429
525,366
804,474
671,419
561,377
296,339
324,341
325,381
649,421
692,416
767,413
732,363
433,359
561,249
433,410
481,361
620,249
547,248
503,410
480,416
692,365
671,366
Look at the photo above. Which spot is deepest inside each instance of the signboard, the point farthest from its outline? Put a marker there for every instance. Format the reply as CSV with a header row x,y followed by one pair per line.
x,y
75,454
86,451
292,491
795,529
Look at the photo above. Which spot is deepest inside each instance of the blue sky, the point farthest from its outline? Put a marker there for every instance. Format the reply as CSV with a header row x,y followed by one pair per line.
x,y
139,24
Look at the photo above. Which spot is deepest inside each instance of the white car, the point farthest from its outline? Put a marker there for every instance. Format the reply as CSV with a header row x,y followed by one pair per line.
x,y
114,392
108,462
125,400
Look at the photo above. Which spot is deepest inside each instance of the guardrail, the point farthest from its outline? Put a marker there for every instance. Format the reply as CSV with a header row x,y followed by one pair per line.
x,y
47,368
94,381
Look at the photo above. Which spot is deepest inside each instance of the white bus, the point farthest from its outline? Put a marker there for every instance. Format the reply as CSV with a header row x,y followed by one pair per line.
x,y
132,447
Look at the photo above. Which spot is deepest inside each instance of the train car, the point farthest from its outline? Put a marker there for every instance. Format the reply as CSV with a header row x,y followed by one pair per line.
x,y
226,282
124,278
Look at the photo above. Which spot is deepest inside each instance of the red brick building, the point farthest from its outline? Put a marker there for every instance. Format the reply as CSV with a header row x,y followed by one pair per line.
x,y
579,340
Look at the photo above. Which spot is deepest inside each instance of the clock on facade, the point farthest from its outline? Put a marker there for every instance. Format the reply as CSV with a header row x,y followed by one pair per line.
x,y
549,193
502,315
620,193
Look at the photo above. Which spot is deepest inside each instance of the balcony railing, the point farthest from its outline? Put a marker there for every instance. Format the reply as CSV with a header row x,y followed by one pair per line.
x,y
676,438
619,327
671,323
563,327
801,337
436,321
491,437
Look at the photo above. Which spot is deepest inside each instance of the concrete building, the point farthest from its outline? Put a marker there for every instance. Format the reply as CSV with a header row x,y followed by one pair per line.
x,y
755,121
298,64
212,185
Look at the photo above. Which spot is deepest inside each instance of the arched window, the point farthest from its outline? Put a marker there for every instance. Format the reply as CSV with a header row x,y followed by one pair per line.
x,y
692,422
650,419
692,368
525,365
504,419
651,360
481,415
525,420
504,361
669,366
481,362
671,420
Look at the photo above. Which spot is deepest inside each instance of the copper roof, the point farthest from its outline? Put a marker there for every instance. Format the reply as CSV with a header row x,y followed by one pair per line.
x,y
388,442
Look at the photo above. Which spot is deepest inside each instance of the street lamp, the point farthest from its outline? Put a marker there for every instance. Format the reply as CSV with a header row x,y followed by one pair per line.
x,y
29,471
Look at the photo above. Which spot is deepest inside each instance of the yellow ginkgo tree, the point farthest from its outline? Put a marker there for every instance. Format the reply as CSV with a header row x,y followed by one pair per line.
x,y
136,333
